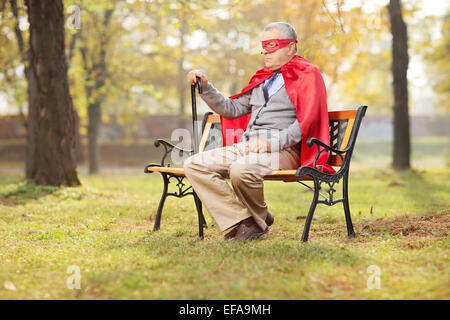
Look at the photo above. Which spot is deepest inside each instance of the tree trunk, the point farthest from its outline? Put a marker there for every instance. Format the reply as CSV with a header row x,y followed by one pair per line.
x,y
95,117
400,60
79,154
25,58
95,92
51,123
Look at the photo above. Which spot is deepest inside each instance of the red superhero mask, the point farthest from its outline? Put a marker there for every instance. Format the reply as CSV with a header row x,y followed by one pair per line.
x,y
273,45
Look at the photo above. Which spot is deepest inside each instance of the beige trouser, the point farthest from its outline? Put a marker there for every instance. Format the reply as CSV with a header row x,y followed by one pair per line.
x,y
206,171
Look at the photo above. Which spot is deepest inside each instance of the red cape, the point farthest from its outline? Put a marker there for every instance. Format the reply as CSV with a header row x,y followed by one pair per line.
x,y
306,89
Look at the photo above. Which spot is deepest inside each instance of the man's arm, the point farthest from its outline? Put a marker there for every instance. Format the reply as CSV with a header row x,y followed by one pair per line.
x,y
278,141
290,136
226,107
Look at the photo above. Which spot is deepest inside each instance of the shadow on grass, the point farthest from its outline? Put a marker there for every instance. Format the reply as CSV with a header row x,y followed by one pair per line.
x,y
23,192
266,251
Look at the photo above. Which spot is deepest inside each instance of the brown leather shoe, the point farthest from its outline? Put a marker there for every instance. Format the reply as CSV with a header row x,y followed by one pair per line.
x,y
269,219
249,230
230,235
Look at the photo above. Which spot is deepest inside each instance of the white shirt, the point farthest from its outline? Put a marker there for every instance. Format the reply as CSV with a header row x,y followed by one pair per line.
x,y
276,84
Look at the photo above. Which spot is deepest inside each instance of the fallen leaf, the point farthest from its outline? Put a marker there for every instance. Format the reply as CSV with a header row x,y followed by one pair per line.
x,y
9,285
395,184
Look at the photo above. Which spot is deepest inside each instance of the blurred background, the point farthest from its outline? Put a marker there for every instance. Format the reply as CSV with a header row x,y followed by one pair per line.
x,y
128,60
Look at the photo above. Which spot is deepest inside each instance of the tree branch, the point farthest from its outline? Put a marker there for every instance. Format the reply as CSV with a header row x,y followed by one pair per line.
x,y
18,32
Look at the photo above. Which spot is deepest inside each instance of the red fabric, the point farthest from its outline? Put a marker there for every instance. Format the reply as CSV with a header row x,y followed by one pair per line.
x,y
306,89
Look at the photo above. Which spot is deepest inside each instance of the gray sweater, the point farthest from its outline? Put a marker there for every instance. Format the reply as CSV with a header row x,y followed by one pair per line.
x,y
274,120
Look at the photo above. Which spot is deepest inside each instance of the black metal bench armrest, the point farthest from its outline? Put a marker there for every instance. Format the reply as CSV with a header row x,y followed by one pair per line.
x,y
148,167
325,147
310,171
168,147
312,141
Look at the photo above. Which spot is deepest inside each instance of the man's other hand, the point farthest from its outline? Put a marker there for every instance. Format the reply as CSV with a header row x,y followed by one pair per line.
x,y
191,78
257,145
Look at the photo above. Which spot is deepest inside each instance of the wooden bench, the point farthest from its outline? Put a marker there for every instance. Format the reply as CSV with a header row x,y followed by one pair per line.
x,y
344,127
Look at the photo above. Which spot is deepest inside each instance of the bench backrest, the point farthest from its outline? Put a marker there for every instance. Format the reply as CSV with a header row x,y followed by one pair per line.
x,y
211,132
343,124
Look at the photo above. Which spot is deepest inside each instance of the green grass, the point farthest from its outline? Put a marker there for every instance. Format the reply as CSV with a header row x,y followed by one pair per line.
x,y
104,228
425,151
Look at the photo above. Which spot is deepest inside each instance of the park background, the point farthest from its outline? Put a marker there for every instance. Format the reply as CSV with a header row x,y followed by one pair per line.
x,y
127,62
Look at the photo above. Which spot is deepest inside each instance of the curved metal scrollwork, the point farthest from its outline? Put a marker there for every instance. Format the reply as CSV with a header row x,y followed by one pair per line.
x,y
182,191
329,200
168,147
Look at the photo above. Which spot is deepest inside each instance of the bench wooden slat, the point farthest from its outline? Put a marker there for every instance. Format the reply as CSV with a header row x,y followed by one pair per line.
x,y
175,171
213,118
348,130
275,175
342,114
332,115
205,134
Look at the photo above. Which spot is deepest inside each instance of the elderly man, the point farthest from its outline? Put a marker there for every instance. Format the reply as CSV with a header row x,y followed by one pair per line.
x,y
283,105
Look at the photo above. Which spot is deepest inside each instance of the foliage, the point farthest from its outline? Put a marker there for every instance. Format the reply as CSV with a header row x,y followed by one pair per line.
x,y
13,61
150,45
438,64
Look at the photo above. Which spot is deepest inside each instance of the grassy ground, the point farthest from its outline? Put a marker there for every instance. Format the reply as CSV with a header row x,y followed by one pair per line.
x,y
104,228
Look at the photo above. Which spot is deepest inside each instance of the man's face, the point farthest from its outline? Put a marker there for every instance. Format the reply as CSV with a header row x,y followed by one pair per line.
x,y
277,59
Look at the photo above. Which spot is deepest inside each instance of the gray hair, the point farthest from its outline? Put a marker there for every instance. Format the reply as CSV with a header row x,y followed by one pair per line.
x,y
286,30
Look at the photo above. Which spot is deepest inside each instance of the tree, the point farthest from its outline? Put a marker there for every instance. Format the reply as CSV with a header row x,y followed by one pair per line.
x,y
100,76
88,50
96,74
11,59
51,120
400,60
438,64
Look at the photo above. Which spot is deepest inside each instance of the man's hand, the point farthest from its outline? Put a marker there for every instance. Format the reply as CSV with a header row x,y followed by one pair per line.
x,y
257,145
191,77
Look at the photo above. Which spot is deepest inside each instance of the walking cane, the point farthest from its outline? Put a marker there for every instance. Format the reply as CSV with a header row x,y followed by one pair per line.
x,y
198,203
194,113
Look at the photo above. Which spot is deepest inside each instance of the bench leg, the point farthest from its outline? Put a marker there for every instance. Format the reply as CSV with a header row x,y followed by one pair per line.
x,y
201,218
161,203
311,210
348,218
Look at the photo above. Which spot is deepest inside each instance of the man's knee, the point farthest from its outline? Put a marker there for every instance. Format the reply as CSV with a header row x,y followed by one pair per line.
x,y
189,164
243,173
194,163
